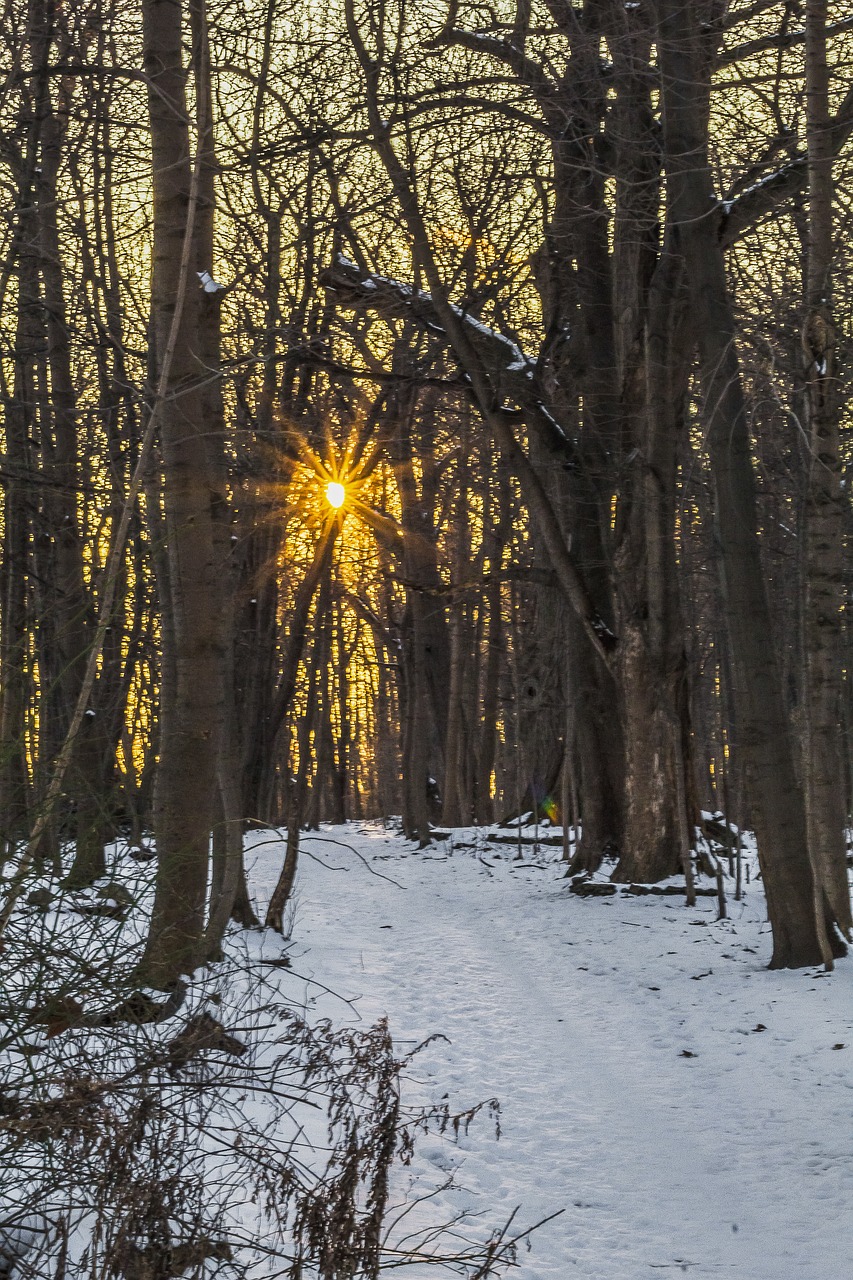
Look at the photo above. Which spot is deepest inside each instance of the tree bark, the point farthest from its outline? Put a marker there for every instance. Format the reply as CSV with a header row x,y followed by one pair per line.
x,y
66,620
824,512
14,619
274,918
192,705
799,936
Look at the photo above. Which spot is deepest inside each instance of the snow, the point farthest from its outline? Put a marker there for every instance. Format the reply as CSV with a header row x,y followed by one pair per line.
x,y
686,1109
550,418
208,283
517,361
663,1102
728,205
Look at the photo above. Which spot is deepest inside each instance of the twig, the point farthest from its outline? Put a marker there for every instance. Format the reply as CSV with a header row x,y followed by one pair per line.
x,y
343,844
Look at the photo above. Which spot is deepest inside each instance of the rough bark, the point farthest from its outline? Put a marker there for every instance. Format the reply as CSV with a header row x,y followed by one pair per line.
x,y
824,511
192,705
16,535
799,937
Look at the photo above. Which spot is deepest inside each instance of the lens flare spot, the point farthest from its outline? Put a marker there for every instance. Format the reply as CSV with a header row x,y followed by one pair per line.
x,y
549,808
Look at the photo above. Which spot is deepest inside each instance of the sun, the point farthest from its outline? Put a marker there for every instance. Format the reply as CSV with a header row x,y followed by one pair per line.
x,y
335,494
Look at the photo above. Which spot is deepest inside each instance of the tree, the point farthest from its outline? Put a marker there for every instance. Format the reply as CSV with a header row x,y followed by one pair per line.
x,y
192,674
823,635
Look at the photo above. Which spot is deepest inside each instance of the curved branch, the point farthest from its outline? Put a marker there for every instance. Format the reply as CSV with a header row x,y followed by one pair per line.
x,y
764,197
776,40
527,70
512,374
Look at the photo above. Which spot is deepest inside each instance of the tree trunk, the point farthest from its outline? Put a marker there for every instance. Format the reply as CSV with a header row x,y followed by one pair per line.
x,y
16,533
493,636
299,792
426,650
456,797
799,936
192,704
824,513
64,648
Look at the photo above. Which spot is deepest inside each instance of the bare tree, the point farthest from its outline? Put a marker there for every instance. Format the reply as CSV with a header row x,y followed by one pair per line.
x,y
823,642
192,665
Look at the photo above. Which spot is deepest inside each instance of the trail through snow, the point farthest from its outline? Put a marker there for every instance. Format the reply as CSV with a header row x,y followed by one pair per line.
x,y
579,1016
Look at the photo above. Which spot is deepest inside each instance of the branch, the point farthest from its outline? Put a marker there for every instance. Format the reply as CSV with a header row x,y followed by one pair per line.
x,y
513,375
439,100
738,17
764,197
527,70
314,360
776,40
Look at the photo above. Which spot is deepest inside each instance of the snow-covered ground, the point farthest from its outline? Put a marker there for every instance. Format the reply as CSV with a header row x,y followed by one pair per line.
x,y
682,1109
666,1104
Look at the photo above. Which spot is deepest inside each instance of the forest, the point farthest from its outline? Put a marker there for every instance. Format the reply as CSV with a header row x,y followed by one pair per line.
x,y
432,415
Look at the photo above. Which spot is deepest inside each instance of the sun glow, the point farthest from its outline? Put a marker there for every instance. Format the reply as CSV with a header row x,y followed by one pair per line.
x,y
335,494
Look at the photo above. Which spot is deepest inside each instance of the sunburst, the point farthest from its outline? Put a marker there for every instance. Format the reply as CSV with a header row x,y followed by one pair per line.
x,y
336,494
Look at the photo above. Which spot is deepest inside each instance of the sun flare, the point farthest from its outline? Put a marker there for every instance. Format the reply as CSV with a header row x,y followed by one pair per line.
x,y
335,494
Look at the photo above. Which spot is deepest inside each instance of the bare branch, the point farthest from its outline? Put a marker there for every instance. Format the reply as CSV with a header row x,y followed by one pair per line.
x,y
765,197
513,374
776,40
528,71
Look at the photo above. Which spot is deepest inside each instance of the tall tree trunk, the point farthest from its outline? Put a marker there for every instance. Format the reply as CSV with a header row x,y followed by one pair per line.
x,y
16,527
824,514
456,798
496,532
426,650
307,722
192,705
799,936
66,620
321,700
647,365
651,653
416,726
104,723
232,900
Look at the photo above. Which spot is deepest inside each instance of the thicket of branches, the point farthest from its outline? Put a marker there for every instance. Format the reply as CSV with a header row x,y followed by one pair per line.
x,y
559,293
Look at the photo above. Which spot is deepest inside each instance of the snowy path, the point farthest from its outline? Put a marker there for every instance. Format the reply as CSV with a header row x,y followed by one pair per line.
x,y
737,1161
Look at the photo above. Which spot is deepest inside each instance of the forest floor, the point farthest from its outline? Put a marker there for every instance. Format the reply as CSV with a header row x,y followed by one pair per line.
x,y
680,1107
664,1103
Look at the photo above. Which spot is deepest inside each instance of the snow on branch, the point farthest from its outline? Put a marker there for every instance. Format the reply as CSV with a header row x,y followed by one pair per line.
x,y
764,197
760,200
512,374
